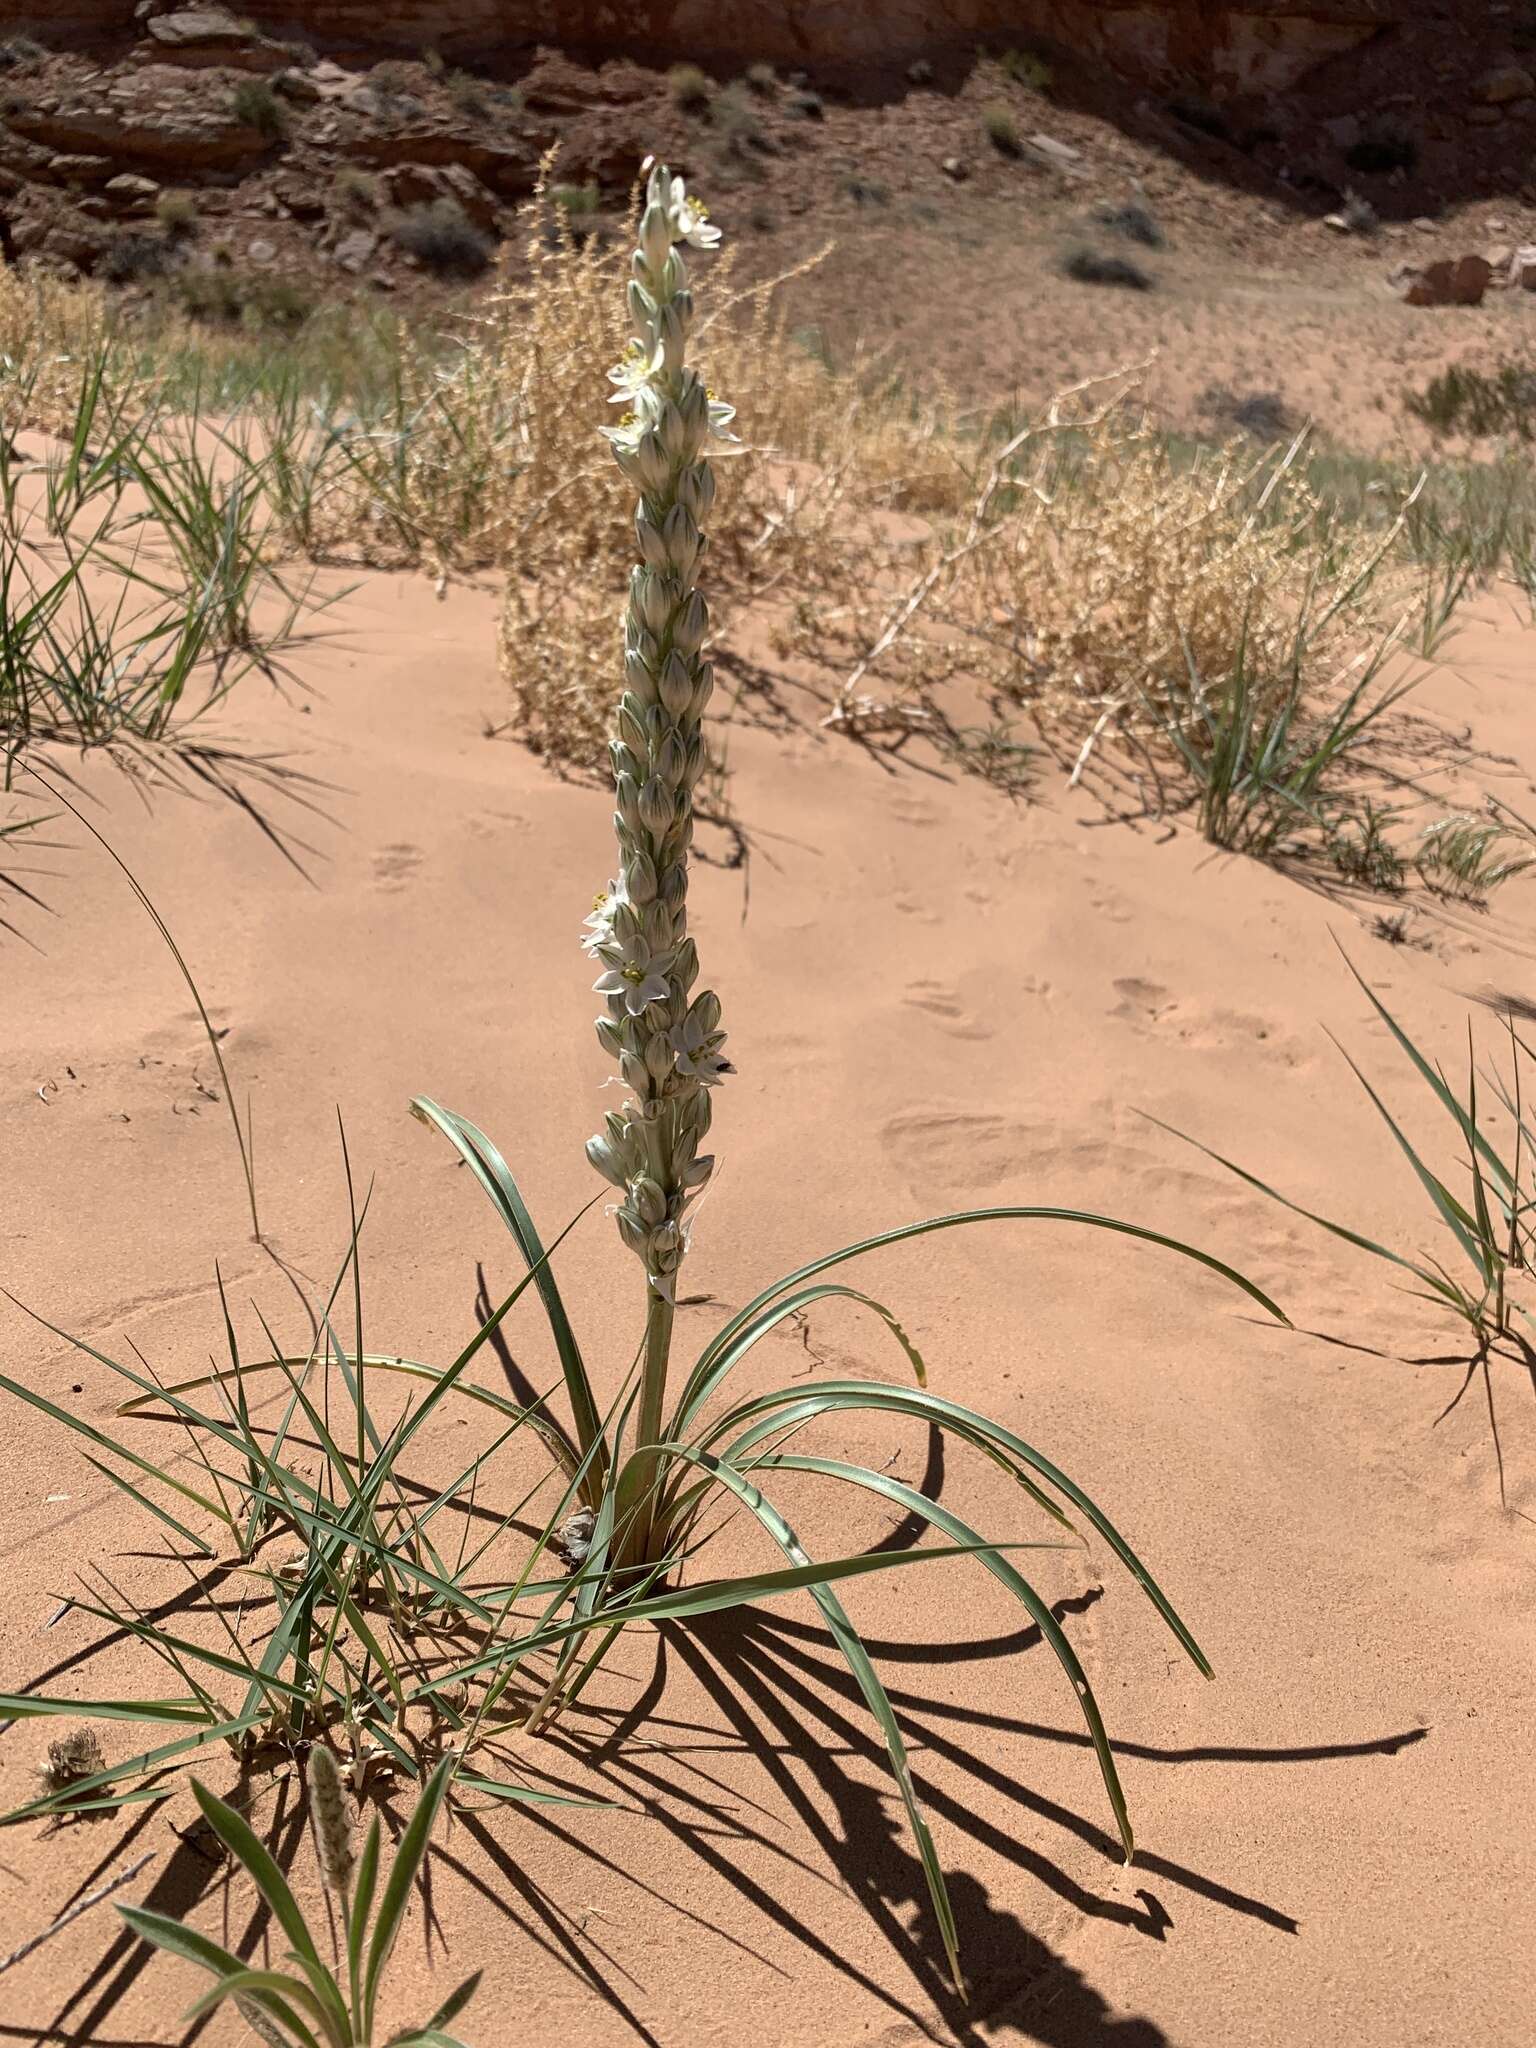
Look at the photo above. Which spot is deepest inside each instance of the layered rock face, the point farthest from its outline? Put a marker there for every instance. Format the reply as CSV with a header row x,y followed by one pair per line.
x,y
1261,46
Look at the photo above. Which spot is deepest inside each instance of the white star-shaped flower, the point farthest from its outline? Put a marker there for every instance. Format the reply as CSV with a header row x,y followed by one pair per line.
x,y
697,1051
635,973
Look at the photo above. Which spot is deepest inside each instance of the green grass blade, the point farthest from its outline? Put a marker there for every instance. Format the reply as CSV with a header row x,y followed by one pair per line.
x,y
495,1176
1008,1213
915,1503
397,1890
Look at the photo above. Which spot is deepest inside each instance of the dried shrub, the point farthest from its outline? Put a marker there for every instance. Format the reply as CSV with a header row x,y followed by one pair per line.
x,y
690,88
442,238
255,103
1001,130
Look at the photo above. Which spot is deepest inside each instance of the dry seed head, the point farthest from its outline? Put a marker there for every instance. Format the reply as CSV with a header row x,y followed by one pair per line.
x,y
332,1822
72,1757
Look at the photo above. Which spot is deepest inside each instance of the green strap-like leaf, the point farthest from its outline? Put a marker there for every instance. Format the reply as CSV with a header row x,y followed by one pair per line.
x,y
702,1385
495,1176
241,1840
1008,1213
915,1503
397,1890
788,1405
178,1939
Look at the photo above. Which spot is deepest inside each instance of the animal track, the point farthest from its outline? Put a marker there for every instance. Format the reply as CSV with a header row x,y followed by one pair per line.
x,y
393,866
945,1005
1203,1029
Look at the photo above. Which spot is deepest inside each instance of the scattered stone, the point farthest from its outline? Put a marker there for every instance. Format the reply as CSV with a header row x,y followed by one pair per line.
x,y
1426,226
261,251
957,168
1061,156
1522,268
203,36
1449,282
354,251
298,87
422,184
128,185
1500,260
74,168
1505,82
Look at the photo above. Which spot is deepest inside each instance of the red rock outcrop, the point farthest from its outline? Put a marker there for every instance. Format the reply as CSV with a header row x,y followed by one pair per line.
x,y
1262,45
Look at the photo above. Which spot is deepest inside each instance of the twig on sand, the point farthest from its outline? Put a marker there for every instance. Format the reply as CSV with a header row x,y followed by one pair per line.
x,y
72,1913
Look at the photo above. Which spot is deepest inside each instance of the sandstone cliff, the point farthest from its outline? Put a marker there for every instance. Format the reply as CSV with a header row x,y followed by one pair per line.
x,y
1264,45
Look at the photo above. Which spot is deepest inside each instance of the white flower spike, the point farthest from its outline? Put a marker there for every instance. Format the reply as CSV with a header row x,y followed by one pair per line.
x,y
666,1039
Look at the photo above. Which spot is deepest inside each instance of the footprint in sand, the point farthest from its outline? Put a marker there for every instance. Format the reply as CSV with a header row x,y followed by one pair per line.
x,y
914,906
957,1150
1141,1002
945,1006
393,866
1201,1028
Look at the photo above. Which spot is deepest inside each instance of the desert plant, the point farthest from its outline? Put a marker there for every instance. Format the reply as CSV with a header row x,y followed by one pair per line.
x,y
468,94
355,190
254,102
312,2003
634,1473
1358,214
1267,769
1490,1227
131,258
1468,857
176,213
690,88
645,1475
442,238
1001,130
1132,220
1026,68
576,200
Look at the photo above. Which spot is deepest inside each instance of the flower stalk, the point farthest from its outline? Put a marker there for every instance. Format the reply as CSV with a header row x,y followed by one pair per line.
x,y
665,1037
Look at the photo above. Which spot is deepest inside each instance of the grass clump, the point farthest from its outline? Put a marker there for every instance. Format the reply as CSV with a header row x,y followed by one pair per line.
x,y
1469,857
255,103
1484,1203
1026,68
1132,221
285,2009
220,295
355,191
578,201
132,259
442,238
467,94
690,88
176,214
1001,130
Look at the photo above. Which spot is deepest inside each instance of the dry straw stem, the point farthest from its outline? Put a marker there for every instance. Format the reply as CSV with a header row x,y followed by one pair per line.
x,y
72,1913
